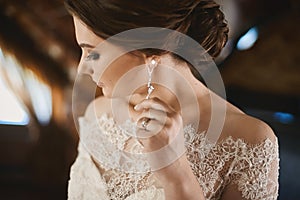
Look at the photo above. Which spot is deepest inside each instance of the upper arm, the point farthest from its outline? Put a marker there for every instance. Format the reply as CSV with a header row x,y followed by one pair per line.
x,y
254,171
252,130
85,181
254,184
231,192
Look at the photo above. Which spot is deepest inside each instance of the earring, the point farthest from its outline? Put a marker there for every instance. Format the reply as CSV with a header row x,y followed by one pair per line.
x,y
150,67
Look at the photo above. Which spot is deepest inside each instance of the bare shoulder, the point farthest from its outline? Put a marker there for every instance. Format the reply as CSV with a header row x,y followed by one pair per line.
x,y
98,107
248,128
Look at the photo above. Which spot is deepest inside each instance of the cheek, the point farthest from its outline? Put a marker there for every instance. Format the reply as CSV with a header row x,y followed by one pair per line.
x,y
101,71
113,73
115,76
119,68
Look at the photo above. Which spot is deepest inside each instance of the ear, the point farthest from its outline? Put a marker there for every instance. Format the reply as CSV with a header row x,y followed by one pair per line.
x,y
139,54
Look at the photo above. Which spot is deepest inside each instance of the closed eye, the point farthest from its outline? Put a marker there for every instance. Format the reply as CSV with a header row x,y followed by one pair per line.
x,y
92,56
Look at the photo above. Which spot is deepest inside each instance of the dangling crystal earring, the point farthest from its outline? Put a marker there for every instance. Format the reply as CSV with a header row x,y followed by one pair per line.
x,y
150,67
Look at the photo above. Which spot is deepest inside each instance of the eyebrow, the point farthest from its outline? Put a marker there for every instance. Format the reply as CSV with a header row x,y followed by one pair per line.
x,y
84,45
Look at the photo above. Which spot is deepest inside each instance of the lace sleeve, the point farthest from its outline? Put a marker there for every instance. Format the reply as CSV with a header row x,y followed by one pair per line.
x,y
85,180
254,172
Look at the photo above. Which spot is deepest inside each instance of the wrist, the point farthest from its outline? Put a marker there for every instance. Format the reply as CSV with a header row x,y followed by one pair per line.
x,y
177,174
179,182
189,188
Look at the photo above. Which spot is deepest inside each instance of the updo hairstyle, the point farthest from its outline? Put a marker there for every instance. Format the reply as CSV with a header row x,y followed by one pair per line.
x,y
201,20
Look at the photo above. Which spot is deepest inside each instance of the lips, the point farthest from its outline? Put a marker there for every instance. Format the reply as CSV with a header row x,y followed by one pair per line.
x,y
100,84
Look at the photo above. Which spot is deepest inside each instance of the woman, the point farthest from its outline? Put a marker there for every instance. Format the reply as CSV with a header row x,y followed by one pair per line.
x,y
163,150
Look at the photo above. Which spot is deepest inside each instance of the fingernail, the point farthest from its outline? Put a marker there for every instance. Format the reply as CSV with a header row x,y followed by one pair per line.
x,y
137,107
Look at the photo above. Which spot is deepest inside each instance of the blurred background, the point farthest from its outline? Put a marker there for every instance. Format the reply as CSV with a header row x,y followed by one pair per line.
x,y
38,58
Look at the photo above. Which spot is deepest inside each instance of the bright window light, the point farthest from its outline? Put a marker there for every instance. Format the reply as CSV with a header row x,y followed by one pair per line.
x,y
11,111
40,95
248,40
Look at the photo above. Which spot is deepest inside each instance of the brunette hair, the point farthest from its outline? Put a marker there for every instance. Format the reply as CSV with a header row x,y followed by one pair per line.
x,y
202,20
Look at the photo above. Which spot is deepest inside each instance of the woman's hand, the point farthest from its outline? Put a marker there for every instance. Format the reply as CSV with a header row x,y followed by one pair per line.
x,y
158,124
160,131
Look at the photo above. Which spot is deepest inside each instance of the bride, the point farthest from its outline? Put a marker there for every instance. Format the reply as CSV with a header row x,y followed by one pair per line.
x,y
158,132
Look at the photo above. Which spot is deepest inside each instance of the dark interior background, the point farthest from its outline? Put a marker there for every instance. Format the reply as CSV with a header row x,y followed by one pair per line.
x,y
263,80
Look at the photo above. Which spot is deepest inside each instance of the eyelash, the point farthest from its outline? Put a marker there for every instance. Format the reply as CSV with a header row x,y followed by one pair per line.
x,y
92,56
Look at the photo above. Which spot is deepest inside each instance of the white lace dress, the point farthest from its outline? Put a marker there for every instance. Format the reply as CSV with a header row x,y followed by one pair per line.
x,y
252,170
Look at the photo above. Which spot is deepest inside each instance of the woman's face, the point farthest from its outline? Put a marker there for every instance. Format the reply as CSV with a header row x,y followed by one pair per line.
x,y
96,62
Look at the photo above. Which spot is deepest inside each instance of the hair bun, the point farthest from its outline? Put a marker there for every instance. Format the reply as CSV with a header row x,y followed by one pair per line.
x,y
208,27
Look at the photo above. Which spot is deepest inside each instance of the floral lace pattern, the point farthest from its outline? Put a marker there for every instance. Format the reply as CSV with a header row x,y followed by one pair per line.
x,y
253,169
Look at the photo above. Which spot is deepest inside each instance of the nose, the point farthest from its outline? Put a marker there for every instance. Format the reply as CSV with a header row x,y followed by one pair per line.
x,y
85,68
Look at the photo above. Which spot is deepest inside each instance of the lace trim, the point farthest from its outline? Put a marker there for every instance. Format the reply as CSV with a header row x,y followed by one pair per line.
x,y
233,161
252,168
106,142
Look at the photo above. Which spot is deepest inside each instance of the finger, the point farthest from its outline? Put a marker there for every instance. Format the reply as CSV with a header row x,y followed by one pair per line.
x,y
153,103
151,128
158,115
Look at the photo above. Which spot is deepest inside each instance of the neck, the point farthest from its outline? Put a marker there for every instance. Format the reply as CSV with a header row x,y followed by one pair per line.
x,y
175,85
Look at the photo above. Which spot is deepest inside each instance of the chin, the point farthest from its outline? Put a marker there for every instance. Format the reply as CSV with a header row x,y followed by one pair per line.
x,y
109,93
106,93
